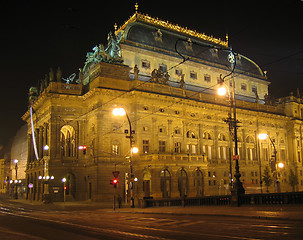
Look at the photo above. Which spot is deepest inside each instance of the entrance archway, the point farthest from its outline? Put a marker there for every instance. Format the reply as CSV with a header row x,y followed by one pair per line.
x,y
165,177
146,183
182,183
70,186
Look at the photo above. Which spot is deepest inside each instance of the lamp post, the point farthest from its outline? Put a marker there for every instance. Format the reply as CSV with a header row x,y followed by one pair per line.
x,y
122,112
263,136
45,180
16,175
237,187
64,189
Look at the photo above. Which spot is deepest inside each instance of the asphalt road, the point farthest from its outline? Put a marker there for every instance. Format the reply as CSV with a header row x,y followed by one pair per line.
x,y
21,223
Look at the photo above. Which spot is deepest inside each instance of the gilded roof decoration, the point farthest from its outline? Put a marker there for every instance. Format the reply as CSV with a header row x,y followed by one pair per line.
x,y
172,27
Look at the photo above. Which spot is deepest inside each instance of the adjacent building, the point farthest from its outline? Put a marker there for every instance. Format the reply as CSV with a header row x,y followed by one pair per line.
x,y
166,78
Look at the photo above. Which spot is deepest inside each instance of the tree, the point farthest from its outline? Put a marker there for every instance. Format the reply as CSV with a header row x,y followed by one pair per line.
x,y
267,178
292,179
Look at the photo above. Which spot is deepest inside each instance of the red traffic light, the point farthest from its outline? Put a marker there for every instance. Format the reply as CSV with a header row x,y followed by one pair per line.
x,y
65,188
83,148
114,182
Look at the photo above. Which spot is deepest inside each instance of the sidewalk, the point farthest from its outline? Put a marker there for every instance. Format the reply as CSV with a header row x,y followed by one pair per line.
x,y
279,212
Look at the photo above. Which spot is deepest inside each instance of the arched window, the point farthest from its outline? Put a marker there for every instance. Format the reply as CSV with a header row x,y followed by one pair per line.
x,y
182,182
222,137
207,136
190,134
165,179
68,141
146,183
250,148
199,183
222,146
249,139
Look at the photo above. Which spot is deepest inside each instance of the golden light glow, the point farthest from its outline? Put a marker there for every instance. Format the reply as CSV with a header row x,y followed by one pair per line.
x,y
165,24
262,136
135,150
119,112
222,91
281,165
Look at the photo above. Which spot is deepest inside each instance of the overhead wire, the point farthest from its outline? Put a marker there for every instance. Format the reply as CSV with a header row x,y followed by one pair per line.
x,y
184,59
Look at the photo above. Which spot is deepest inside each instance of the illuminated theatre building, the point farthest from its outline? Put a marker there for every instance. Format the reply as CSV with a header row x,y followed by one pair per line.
x,y
166,79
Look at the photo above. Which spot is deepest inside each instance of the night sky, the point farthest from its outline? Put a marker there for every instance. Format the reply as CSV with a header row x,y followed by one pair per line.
x,y
37,35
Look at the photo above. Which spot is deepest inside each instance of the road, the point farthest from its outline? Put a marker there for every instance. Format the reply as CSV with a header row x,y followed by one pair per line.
x,y
23,223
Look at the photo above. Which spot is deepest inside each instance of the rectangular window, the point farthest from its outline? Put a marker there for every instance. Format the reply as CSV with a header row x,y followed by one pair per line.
x,y
145,64
192,148
161,146
265,154
177,147
254,89
145,146
282,154
207,78
178,72
193,75
243,86
209,152
115,149
163,68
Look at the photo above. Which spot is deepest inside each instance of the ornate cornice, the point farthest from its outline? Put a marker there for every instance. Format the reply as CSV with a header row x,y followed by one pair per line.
x,y
172,27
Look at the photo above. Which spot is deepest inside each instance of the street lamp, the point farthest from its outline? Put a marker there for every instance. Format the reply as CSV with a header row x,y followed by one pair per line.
x,y
122,112
222,90
280,165
237,187
16,175
45,180
264,136
64,188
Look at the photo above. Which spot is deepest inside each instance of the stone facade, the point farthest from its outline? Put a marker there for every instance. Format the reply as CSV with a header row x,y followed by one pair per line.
x,y
184,144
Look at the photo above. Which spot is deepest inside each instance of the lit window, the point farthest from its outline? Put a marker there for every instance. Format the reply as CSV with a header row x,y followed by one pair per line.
x,y
177,147
115,149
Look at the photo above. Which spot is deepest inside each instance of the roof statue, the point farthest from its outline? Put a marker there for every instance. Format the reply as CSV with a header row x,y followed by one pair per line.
x,y
158,76
110,54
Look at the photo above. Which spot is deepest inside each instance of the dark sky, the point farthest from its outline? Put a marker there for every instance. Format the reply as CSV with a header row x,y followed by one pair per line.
x,y
37,35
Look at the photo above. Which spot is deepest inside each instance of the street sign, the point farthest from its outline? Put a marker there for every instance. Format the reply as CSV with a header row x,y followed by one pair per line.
x,y
116,174
236,157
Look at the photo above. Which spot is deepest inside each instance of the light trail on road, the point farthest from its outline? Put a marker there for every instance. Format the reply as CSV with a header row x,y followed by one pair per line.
x,y
105,224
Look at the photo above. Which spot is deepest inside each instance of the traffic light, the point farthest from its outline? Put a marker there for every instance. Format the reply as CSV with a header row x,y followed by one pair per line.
x,y
64,188
114,182
83,148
